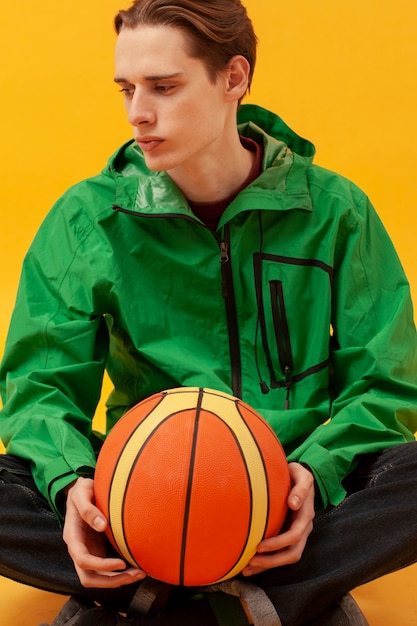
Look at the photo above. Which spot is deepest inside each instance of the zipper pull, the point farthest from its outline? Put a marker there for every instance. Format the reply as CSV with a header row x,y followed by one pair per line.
x,y
288,385
224,259
224,252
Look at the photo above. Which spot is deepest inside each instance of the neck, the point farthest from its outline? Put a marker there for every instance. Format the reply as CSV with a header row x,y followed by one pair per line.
x,y
216,175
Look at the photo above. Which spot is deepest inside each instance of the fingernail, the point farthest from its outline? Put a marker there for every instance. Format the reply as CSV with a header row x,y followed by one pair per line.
x,y
296,502
99,523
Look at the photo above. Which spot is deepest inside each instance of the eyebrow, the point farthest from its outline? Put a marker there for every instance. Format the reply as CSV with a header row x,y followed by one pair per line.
x,y
151,78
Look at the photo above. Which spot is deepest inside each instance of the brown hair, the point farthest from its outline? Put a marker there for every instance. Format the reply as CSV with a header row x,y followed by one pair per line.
x,y
218,29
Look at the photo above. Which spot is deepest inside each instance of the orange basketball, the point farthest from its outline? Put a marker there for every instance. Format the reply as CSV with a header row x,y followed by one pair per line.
x,y
191,480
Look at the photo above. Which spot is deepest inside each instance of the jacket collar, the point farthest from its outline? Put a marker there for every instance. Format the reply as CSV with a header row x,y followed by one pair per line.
x,y
283,185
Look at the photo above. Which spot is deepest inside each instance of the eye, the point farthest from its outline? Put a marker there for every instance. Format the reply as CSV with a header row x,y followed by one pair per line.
x,y
164,88
127,91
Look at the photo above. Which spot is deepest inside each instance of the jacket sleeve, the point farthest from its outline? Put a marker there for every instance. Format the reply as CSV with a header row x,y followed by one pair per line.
x,y
53,364
373,355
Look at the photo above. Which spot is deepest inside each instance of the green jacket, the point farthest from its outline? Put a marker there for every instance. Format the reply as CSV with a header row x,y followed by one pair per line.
x,y
298,304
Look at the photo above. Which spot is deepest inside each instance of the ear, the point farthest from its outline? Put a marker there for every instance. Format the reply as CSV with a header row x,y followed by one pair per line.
x,y
237,77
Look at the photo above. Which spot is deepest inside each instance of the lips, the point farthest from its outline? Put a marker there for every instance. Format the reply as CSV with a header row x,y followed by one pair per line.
x,y
149,143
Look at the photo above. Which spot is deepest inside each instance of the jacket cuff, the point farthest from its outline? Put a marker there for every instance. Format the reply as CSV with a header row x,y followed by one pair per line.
x,y
321,462
58,475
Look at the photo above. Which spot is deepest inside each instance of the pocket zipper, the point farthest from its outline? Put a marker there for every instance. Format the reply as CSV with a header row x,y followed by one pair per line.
x,y
282,336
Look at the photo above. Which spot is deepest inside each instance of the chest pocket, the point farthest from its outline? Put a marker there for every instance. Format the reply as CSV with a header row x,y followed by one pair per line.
x,y
294,313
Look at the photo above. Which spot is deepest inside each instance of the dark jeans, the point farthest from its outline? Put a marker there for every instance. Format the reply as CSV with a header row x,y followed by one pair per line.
x,y
371,533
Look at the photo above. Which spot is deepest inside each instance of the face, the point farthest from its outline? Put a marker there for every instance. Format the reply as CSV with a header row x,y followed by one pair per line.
x,y
177,114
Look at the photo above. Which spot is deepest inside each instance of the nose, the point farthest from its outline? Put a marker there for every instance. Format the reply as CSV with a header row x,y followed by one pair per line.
x,y
140,109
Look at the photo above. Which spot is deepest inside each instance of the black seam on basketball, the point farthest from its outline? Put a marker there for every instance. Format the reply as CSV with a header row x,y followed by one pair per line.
x,y
189,486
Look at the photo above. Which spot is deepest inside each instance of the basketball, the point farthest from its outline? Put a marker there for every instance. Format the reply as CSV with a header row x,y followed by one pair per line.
x,y
190,481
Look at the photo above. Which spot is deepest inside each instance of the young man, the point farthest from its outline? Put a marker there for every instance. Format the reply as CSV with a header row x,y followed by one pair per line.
x,y
212,254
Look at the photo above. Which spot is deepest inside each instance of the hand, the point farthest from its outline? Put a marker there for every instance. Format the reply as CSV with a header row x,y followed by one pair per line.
x,y
288,547
83,533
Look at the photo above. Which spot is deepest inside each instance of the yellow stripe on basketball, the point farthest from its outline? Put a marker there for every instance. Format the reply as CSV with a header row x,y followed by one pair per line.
x,y
166,407
222,405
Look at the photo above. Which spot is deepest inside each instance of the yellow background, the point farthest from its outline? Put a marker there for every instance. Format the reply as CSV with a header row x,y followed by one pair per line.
x,y
342,74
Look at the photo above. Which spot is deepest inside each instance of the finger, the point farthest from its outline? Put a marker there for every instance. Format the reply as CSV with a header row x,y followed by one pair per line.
x,y
89,562
285,549
82,499
301,525
90,568
110,580
261,563
290,553
92,516
303,486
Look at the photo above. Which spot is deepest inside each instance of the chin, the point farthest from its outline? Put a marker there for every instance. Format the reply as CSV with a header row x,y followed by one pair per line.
x,y
158,163
153,167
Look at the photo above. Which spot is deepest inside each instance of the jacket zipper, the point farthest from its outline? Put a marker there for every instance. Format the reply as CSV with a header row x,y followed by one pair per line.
x,y
231,313
229,297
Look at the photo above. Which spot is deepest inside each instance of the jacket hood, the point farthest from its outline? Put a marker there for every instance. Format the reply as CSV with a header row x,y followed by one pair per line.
x,y
271,124
287,157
